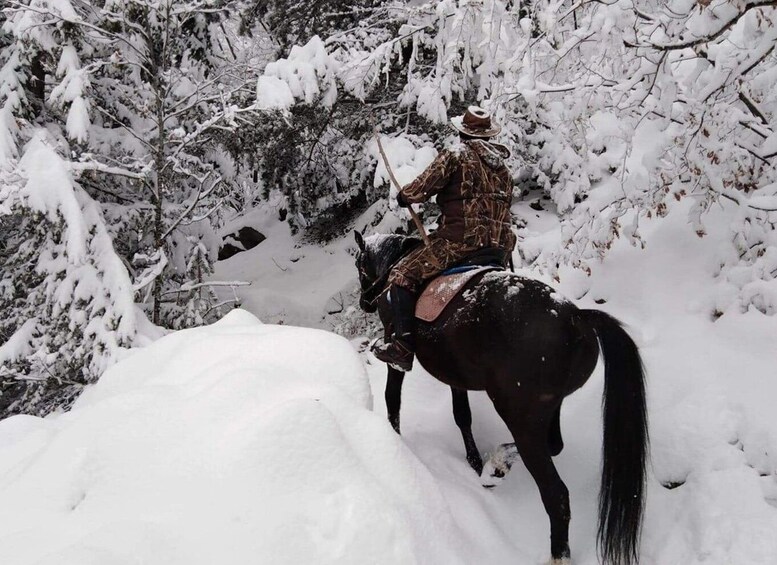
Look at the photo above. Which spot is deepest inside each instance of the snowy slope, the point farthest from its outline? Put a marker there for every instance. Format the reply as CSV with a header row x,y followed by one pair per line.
x,y
250,443
291,282
712,386
236,443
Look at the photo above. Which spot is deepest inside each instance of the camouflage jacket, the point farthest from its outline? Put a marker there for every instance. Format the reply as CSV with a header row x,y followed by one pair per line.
x,y
474,191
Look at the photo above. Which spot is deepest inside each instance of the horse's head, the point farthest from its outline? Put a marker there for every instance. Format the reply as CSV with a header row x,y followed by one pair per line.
x,y
365,267
376,255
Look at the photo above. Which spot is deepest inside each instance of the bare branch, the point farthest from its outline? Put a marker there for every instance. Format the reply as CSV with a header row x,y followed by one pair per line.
x,y
727,25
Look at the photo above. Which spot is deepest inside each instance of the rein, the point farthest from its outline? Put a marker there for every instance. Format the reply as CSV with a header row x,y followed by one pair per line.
x,y
380,282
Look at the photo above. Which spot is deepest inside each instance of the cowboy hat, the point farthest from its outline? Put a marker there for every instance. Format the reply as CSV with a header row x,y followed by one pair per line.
x,y
476,122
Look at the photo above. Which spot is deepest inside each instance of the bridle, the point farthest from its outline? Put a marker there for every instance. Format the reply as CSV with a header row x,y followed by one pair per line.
x,y
380,283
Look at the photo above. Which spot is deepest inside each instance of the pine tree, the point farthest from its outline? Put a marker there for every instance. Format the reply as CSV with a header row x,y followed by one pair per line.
x,y
66,296
145,103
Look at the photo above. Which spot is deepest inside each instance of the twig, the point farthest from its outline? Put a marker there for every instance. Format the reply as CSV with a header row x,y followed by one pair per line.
x,y
189,287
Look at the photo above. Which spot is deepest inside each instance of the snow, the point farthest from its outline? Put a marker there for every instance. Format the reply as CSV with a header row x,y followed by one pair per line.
x,y
291,282
308,72
406,160
78,120
20,343
234,443
70,90
273,93
711,399
248,442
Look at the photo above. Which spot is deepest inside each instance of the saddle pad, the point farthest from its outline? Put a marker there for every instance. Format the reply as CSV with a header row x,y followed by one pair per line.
x,y
442,290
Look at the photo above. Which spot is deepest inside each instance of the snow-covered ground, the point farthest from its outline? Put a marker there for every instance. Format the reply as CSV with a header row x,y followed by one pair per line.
x,y
236,443
250,443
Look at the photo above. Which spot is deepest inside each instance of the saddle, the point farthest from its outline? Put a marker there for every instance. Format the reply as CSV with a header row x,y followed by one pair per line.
x,y
439,292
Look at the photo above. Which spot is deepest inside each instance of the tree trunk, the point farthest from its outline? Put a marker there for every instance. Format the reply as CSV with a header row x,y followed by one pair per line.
x,y
159,189
37,83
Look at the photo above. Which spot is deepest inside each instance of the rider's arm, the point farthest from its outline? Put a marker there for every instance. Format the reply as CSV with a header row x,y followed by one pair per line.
x,y
431,181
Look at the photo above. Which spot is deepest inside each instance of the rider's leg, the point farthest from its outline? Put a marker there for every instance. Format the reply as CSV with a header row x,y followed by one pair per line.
x,y
399,352
406,279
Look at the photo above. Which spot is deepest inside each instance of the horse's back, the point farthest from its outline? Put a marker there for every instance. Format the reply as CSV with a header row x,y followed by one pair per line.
x,y
505,327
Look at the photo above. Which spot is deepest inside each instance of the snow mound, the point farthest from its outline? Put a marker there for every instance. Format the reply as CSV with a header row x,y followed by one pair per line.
x,y
234,443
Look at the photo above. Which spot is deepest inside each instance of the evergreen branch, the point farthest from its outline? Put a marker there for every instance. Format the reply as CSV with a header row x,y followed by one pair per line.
x,y
115,17
116,37
124,127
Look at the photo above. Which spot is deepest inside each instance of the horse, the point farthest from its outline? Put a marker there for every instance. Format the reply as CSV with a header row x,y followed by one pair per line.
x,y
528,347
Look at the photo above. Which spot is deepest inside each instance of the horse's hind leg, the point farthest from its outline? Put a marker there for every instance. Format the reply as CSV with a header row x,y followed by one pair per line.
x,y
393,396
555,441
463,417
530,427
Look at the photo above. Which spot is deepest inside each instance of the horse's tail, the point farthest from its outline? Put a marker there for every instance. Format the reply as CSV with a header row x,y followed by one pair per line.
x,y
622,491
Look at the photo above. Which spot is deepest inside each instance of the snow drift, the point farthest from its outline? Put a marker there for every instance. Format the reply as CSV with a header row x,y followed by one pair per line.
x,y
234,443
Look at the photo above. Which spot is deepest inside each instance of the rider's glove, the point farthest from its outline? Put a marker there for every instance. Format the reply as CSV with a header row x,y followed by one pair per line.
x,y
401,201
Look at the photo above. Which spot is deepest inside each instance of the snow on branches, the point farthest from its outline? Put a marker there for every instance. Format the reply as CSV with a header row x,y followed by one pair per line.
x,y
147,92
308,72
616,109
715,82
66,296
140,99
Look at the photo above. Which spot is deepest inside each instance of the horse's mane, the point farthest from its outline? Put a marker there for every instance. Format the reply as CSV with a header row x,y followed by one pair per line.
x,y
386,249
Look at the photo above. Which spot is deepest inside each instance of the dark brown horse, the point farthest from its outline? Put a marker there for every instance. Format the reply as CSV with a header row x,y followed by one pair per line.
x,y
529,348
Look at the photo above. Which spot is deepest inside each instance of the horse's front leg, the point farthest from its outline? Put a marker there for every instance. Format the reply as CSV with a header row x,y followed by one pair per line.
x,y
393,396
463,417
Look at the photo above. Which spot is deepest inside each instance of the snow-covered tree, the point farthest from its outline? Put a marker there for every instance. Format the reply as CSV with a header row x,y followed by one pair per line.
x,y
138,99
615,109
146,92
713,70
66,297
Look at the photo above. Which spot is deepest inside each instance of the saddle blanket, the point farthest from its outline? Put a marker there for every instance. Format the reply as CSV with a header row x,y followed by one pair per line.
x,y
438,293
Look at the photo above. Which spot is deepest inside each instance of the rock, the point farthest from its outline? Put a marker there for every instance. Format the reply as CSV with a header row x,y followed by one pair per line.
x,y
242,240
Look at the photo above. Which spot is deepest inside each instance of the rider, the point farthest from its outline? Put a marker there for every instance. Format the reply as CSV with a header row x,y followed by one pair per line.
x,y
474,190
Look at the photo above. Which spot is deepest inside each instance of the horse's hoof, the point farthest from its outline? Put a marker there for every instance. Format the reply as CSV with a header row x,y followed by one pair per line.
x,y
498,465
491,475
561,561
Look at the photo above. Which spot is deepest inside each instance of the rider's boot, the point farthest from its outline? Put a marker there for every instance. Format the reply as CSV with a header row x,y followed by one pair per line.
x,y
399,352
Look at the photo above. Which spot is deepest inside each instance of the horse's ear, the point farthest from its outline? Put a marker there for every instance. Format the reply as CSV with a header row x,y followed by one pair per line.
x,y
359,239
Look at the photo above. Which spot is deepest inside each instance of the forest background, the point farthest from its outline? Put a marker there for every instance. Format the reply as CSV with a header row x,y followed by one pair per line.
x,y
135,135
